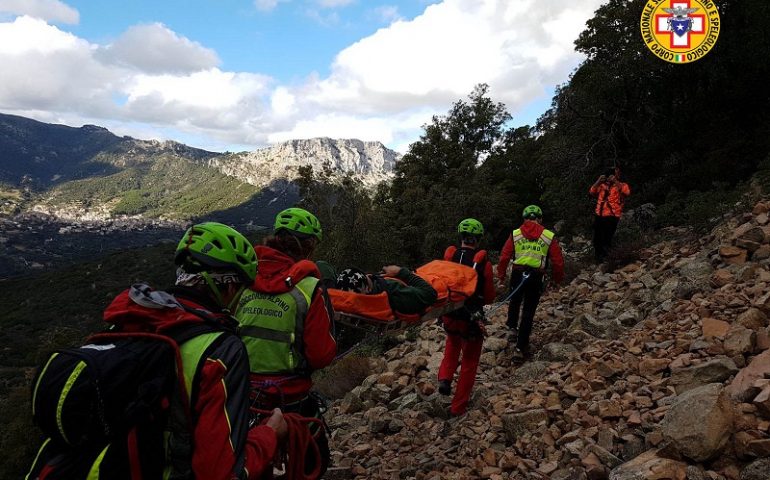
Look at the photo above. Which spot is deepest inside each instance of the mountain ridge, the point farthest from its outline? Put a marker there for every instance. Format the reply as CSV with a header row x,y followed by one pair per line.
x,y
40,155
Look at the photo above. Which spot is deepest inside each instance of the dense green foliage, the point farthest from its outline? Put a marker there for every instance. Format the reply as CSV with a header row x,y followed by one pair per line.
x,y
686,137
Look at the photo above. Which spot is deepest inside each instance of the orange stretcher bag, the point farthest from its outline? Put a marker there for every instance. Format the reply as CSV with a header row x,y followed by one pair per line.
x,y
454,283
375,306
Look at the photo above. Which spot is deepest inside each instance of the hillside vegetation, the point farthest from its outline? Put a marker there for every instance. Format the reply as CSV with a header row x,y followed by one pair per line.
x,y
168,187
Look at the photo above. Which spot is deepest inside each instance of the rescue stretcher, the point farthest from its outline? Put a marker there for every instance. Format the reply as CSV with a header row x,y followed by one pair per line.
x,y
454,283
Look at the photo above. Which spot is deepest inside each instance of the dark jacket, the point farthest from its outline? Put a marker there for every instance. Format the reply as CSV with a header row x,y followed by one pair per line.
x,y
412,294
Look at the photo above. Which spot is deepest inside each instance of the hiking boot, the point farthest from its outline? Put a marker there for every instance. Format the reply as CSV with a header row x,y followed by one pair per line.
x,y
513,335
518,355
444,387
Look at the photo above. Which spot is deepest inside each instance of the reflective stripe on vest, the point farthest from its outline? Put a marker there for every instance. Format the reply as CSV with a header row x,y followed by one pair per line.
x,y
531,253
272,327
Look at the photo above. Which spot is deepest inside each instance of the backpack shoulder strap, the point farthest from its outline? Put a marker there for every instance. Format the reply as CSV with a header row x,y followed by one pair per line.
x,y
300,271
479,258
449,253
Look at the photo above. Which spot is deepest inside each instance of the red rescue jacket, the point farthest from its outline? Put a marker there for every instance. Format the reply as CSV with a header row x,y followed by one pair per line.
x,y
319,347
485,290
532,230
223,446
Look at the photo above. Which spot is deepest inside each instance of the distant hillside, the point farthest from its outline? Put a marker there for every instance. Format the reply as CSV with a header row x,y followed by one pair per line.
x,y
88,173
40,155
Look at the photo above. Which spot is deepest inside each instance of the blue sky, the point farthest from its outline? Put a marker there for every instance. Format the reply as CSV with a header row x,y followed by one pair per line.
x,y
287,41
242,74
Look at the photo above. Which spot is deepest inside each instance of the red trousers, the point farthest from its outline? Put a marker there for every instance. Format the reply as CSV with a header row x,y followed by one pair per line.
x,y
471,351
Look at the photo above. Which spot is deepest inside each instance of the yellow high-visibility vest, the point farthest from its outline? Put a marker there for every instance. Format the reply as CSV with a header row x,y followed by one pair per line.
x,y
531,253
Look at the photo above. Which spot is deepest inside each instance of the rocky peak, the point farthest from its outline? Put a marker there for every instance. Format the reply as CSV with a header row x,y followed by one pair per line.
x,y
371,162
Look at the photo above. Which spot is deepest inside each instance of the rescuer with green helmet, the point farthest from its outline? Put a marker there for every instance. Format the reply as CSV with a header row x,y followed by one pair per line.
x,y
533,248
207,434
284,320
465,327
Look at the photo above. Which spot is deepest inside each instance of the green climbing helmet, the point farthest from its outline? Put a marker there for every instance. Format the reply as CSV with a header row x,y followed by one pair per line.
x,y
216,245
470,226
531,212
298,221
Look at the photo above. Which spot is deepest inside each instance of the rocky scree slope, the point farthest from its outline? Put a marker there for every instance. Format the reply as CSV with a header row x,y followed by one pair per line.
x,y
660,370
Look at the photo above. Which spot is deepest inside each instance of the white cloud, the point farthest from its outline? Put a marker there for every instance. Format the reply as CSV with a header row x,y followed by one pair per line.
x,y
517,47
209,89
387,13
333,3
267,5
154,48
27,35
282,101
49,10
383,87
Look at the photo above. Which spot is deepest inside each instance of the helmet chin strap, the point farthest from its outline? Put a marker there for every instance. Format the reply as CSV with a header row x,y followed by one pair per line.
x,y
236,297
226,308
214,289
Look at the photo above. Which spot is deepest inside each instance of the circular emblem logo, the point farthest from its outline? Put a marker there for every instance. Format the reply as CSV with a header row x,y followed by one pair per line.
x,y
680,31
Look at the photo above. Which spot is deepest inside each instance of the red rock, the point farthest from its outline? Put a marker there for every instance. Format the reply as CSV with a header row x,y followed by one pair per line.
x,y
649,466
490,457
721,277
651,366
763,340
760,448
699,422
740,340
763,303
762,402
733,255
714,328
742,387
753,319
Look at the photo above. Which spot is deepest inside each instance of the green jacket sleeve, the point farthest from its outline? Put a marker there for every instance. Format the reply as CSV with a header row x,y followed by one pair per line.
x,y
414,297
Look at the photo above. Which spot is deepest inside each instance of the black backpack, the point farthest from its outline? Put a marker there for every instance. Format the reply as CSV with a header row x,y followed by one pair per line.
x,y
116,408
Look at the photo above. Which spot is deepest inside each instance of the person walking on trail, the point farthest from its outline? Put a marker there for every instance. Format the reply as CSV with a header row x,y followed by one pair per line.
x,y
286,325
205,431
532,248
610,195
408,293
465,327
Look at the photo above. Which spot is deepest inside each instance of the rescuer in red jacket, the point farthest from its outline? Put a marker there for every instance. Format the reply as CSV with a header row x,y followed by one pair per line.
x,y
465,327
533,248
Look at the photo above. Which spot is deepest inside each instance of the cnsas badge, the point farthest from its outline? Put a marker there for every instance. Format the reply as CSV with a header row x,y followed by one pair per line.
x,y
680,31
